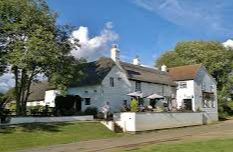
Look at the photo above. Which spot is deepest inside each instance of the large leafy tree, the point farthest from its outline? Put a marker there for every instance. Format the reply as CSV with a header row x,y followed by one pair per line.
x,y
217,59
32,44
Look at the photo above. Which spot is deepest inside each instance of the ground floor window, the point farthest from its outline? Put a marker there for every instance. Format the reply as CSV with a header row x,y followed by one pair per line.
x,y
208,100
87,101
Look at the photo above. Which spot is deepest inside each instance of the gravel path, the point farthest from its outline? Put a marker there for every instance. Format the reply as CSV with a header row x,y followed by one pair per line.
x,y
219,130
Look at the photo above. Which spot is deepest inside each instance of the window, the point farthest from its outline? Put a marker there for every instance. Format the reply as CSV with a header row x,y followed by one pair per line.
x,y
183,85
95,90
203,87
212,104
86,91
87,101
125,102
212,88
208,100
111,80
138,86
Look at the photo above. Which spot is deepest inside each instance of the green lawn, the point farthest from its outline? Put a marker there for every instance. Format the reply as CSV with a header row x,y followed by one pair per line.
x,y
205,146
37,135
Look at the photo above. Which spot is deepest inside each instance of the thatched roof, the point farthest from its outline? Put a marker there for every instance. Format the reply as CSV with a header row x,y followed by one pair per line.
x,y
94,72
37,90
145,74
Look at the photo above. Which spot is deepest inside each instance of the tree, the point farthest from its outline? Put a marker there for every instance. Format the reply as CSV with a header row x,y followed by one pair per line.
x,y
217,59
32,45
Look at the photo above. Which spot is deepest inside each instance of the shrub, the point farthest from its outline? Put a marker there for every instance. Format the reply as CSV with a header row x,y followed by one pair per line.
x,y
91,111
4,115
134,105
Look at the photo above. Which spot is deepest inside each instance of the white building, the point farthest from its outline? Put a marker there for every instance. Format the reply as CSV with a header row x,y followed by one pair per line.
x,y
110,80
196,89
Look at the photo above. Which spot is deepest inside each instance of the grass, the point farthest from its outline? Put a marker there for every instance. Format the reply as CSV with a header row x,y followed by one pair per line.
x,y
205,146
38,135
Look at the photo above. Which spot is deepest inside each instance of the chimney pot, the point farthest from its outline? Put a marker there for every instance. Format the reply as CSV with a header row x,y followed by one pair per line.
x,y
164,68
115,53
136,61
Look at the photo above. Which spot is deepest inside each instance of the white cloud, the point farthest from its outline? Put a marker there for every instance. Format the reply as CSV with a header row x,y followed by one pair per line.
x,y
228,44
92,48
209,15
6,82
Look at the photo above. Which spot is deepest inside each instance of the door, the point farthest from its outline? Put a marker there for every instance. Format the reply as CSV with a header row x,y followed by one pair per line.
x,y
188,104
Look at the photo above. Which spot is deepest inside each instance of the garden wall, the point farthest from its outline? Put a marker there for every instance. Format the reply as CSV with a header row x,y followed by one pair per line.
x,y
133,122
22,120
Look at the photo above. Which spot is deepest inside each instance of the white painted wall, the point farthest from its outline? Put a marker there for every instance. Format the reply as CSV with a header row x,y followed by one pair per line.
x,y
132,122
117,94
50,97
23,120
35,103
100,94
185,93
95,93
194,92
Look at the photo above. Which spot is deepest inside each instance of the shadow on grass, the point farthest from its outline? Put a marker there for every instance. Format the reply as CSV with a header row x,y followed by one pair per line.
x,y
34,127
223,119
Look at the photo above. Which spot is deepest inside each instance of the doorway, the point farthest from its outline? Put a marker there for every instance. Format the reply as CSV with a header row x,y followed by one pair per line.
x,y
188,104
68,105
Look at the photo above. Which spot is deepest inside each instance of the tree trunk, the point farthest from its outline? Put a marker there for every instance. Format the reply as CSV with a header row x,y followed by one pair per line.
x,y
27,92
23,85
17,95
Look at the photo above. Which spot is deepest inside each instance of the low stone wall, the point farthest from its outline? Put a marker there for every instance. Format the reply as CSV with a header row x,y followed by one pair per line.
x,y
23,120
133,122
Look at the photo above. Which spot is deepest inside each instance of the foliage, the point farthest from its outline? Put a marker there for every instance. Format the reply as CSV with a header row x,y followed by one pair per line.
x,y
91,111
32,44
134,105
30,136
217,59
66,106
40,111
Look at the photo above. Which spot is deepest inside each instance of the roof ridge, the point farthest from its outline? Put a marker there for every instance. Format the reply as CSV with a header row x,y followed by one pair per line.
x,y
144,68
200,64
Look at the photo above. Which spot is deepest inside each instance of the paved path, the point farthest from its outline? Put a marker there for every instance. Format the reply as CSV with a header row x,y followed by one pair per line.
x,y
219,130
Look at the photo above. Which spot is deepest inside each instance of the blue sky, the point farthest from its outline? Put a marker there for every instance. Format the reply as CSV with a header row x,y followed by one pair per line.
x,y
147,28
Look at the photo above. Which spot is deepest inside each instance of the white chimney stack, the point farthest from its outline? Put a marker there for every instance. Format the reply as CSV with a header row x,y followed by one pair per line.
x,y
164,68
115,53
136,61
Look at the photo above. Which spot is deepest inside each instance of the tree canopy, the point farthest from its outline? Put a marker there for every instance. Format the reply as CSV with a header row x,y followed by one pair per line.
x,y
213,55
31,43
